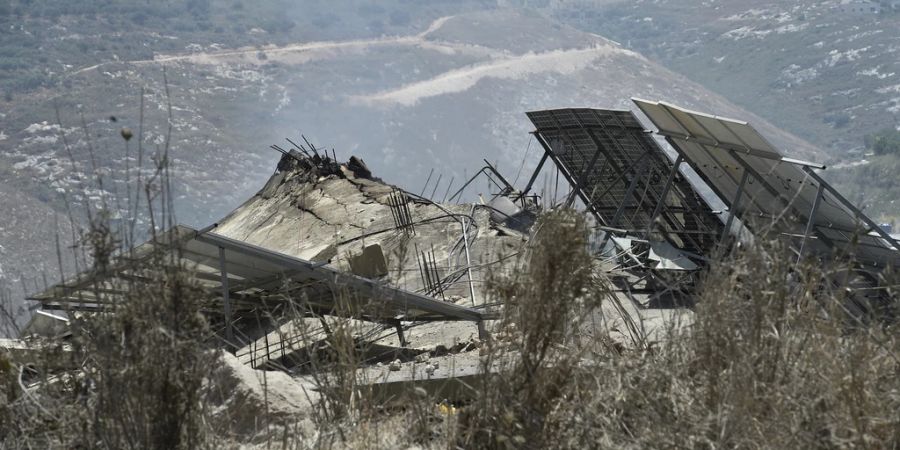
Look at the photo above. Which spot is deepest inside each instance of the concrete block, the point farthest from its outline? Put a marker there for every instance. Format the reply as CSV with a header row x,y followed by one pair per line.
x,y
371,263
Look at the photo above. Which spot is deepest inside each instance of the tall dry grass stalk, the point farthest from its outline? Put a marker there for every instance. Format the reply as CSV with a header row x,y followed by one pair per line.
x,y
146,359
528,369
776,357
772,361
131,375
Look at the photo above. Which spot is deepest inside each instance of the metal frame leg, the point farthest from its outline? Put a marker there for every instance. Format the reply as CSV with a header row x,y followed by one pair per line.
x,y
734,205
664,194
229,331
399,327
810,223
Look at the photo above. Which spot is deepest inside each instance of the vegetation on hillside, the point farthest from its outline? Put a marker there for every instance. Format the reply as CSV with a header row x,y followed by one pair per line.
x,y
818,70
885,142
43,40
780,367
874,185
772,360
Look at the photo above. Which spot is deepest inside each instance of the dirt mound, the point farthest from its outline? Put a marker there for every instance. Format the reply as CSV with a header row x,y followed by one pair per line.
x,y
247,402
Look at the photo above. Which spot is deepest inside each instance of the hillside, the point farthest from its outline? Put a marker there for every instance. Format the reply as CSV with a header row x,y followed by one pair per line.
x,y
442,93
827,71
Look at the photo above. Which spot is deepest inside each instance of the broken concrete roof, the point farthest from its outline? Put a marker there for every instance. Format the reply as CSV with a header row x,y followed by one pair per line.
x,y
333,217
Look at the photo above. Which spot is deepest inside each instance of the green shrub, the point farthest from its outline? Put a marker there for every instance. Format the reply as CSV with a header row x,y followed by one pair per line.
x,y
884,142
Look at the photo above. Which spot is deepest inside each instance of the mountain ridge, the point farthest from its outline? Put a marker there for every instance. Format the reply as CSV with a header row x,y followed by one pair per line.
x,y
224,113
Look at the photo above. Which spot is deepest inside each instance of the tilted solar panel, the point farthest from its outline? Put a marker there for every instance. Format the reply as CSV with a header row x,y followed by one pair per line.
x,y
254,278
624,178
768,192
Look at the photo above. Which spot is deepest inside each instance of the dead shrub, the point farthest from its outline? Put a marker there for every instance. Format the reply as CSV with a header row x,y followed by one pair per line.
x,y
528,373
772,361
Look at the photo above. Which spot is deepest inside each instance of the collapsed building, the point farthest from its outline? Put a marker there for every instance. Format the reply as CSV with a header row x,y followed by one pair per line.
x,y
411,272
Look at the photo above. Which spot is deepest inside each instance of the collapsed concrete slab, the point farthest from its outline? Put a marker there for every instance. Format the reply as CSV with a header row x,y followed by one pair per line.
x,y
325,248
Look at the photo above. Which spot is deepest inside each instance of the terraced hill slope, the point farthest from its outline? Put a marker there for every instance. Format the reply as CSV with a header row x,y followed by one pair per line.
x,y
441,94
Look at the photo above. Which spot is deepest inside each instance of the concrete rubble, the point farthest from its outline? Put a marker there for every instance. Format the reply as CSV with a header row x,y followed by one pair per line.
x,y
345,220
340,215
324,213
248,402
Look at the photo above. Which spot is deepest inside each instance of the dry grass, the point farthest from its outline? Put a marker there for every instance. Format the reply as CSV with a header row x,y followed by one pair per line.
x,y
136,371
772,360
133,375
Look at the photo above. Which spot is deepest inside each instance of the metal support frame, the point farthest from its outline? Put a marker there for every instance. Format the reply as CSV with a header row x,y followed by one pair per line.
x,y
612,185
734,205
534,176
621,207
229,331
561,168
628,159
665,193
671,139
859,214
570,178
484,170
489,166
811,221
584,175
638,172
775,193
622,173
672,143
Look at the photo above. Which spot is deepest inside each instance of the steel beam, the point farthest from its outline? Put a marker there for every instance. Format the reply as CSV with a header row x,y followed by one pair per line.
x,y
734,205
665,193
859,214
229,331
774,192
811,221
534,176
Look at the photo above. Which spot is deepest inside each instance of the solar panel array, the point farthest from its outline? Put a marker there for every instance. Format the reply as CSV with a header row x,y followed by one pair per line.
x,y
781,196
256,279
623,177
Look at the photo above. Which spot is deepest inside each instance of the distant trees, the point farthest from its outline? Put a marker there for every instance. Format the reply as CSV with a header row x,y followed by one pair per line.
x,y
198,8
884,142
278,25
139,18
400,18
837,120
889,6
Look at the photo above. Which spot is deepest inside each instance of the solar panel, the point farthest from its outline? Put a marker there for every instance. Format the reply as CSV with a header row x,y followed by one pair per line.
x,y
255,279
624,178
771,194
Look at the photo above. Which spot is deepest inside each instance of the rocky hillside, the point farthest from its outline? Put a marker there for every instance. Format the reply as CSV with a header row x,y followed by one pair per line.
x,y
828,71
440,93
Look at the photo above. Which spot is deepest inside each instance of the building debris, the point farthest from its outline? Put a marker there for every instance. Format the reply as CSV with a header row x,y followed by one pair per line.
x,y
407,273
